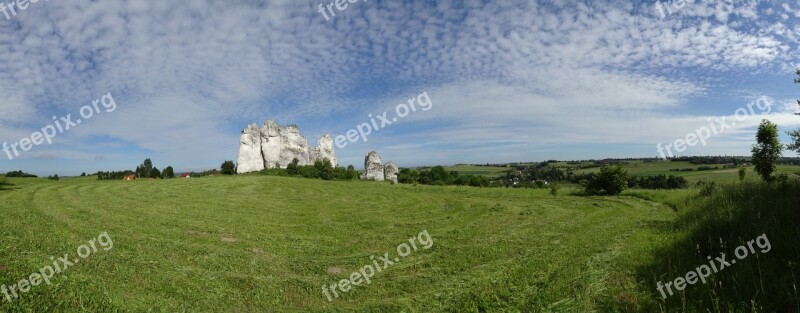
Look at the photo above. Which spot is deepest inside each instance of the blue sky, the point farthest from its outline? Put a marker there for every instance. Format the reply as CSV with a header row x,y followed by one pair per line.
x,y
509,80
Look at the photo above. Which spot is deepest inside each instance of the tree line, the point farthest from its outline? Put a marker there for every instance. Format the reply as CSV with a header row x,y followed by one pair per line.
x,y
320,170
437,175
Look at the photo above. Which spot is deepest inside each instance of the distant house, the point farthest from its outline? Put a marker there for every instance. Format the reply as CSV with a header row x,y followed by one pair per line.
x,y
129,177
186,175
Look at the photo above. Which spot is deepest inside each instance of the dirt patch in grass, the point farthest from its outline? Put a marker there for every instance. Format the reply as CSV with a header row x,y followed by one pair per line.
x,y
198,233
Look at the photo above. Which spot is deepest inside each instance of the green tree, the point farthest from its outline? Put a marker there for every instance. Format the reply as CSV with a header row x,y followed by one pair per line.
x,y
612,180
795,134
742,173
324,168
147,168
767,150
407,176
292,168
168,172
154,173
228,168
352,174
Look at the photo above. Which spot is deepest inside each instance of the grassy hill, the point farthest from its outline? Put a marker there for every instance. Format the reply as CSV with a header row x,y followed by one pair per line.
x,y
262,244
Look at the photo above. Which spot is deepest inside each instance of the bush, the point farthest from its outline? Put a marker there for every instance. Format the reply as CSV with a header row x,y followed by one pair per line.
x,y
228,168
706,188
554,187
611,180
20,174
320,170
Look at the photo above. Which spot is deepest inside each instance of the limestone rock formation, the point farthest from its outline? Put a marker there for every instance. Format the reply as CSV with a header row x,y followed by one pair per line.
x,y
373,168
390,171
274,145
250,159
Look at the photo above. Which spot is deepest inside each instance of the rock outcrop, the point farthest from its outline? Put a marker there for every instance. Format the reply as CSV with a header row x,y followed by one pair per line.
x,y
390,171
276,146
250,158
375,170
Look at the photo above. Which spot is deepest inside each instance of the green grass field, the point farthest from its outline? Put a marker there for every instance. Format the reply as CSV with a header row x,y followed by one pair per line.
x,y
721,175
639,168
268,244
488,171
263,244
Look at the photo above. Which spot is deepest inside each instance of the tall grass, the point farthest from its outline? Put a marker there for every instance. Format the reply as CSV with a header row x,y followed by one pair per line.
x,y
728,217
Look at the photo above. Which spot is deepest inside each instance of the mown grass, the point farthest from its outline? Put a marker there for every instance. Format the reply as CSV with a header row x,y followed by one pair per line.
x,y
268,244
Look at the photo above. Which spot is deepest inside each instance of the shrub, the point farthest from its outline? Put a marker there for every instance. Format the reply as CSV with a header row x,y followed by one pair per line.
x,y
20,174
228,168
706,188
554,187
611,180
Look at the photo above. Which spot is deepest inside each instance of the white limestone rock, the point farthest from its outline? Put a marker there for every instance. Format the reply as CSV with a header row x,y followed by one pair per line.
x,y
390,171
293,146
270,144
373,169
325,147
250,159
274,145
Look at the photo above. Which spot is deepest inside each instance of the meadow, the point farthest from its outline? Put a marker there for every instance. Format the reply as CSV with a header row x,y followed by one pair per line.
x,y
268,244
720,175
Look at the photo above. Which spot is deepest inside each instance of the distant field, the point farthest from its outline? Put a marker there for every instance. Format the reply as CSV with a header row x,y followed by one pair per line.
x,y
488,171
720,175
639,168
268,244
